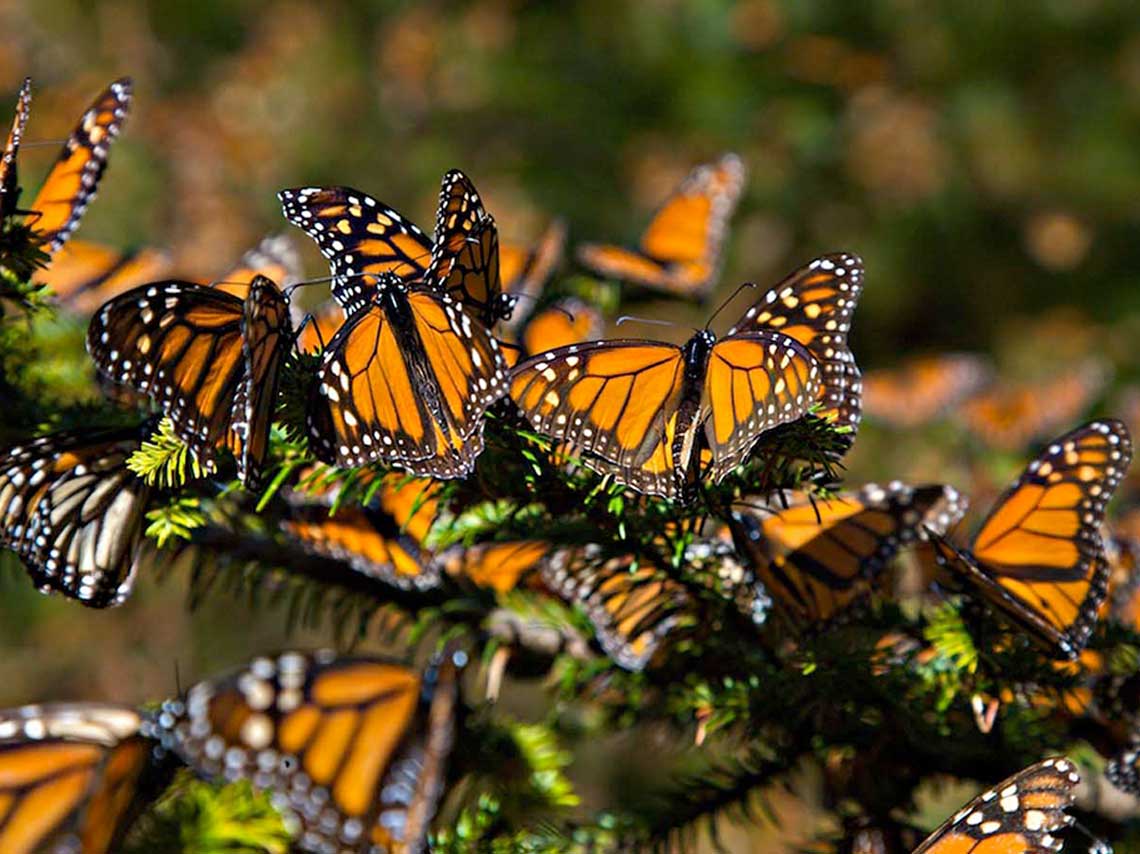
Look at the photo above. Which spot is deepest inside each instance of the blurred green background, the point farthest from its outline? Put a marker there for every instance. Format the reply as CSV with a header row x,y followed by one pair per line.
x,y
984,159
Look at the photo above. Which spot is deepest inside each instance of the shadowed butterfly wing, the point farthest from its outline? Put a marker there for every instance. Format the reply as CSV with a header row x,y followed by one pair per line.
x,y
361,237
817,558
181,344
633,608
525,272
71,184
814,306
1022,814
1038,556
680,251
74,513
73,777
353,749
407,383
85,275
923,388
267,334
9,171
753,383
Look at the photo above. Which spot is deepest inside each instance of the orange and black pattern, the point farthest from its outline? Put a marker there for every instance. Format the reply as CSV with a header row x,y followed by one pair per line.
x,y
525,271
817,558
680,251
209,359
406,382
85,275
73,777
74,513
71,184
1022,814
924,388
9,168
498,566
633,606
1038,556
560,324
354,749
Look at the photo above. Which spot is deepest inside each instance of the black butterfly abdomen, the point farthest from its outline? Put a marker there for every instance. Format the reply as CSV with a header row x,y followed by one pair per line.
x,y
696,354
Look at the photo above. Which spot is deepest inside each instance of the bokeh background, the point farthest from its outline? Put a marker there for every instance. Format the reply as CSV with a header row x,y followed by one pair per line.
x,y
984,159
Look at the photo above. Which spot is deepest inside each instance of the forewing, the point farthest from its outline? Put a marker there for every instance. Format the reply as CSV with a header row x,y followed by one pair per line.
x,y
9,171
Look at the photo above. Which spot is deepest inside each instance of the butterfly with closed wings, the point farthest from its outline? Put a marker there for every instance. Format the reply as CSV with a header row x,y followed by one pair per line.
x,y
1038,556
646,412
680,250
74,513
211,360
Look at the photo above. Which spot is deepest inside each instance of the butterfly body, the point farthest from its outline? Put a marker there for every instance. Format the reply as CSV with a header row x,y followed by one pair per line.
x,y
427,371
9,172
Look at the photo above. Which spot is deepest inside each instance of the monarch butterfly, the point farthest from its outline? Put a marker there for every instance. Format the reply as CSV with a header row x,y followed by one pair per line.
x,y
274,257
560,324
385,541
1038,555
73,777
406,381
1009,417
353,749
923,388
84,275
71,184
525,271
210,359
633,606
815,558
635,409
680,250
1124,581
498,566
363,239
1022,813
74,513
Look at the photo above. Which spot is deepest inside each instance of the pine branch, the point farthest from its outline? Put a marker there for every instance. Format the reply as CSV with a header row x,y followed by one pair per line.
x,y
163,459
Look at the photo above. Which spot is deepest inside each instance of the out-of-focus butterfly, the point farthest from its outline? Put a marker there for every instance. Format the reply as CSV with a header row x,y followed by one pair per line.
x,y
84,275
384,540
634,606
644,411
816,558
498,566
1008,417
923,388
1023,813
354,750
74,513
73,777
71,184
680,250
274,257
1038,556
209,359
367,243
525,271
406,382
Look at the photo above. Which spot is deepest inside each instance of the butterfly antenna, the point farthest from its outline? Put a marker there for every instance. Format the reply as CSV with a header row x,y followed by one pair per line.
x,y
41,143
1096,844
651,321
725,304
177,680
310,320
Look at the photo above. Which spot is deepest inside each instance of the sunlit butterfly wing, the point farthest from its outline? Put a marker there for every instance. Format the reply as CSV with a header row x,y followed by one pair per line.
x,y
180,344
633,607
267,335
274,258
74,513
924,388
525,272
1008,417
817,558
406,382
497,566
1038,556
1023,813
85,275
9,171
814,305
73,777
680,251
361,237
71,184
352,749
565,322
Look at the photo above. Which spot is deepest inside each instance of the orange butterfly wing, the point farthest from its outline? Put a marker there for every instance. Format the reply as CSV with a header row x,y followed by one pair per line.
x,y
1038,556
496,566
814,305
525,272
1024,813
923,388
9,171
367,407
568,321
274,258
85,275
71,184
680,250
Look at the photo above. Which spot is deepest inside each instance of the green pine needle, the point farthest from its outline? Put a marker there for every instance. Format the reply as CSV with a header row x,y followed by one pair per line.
x,y
163,459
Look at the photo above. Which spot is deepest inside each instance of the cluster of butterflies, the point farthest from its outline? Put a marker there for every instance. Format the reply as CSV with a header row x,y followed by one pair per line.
x,y
423,337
